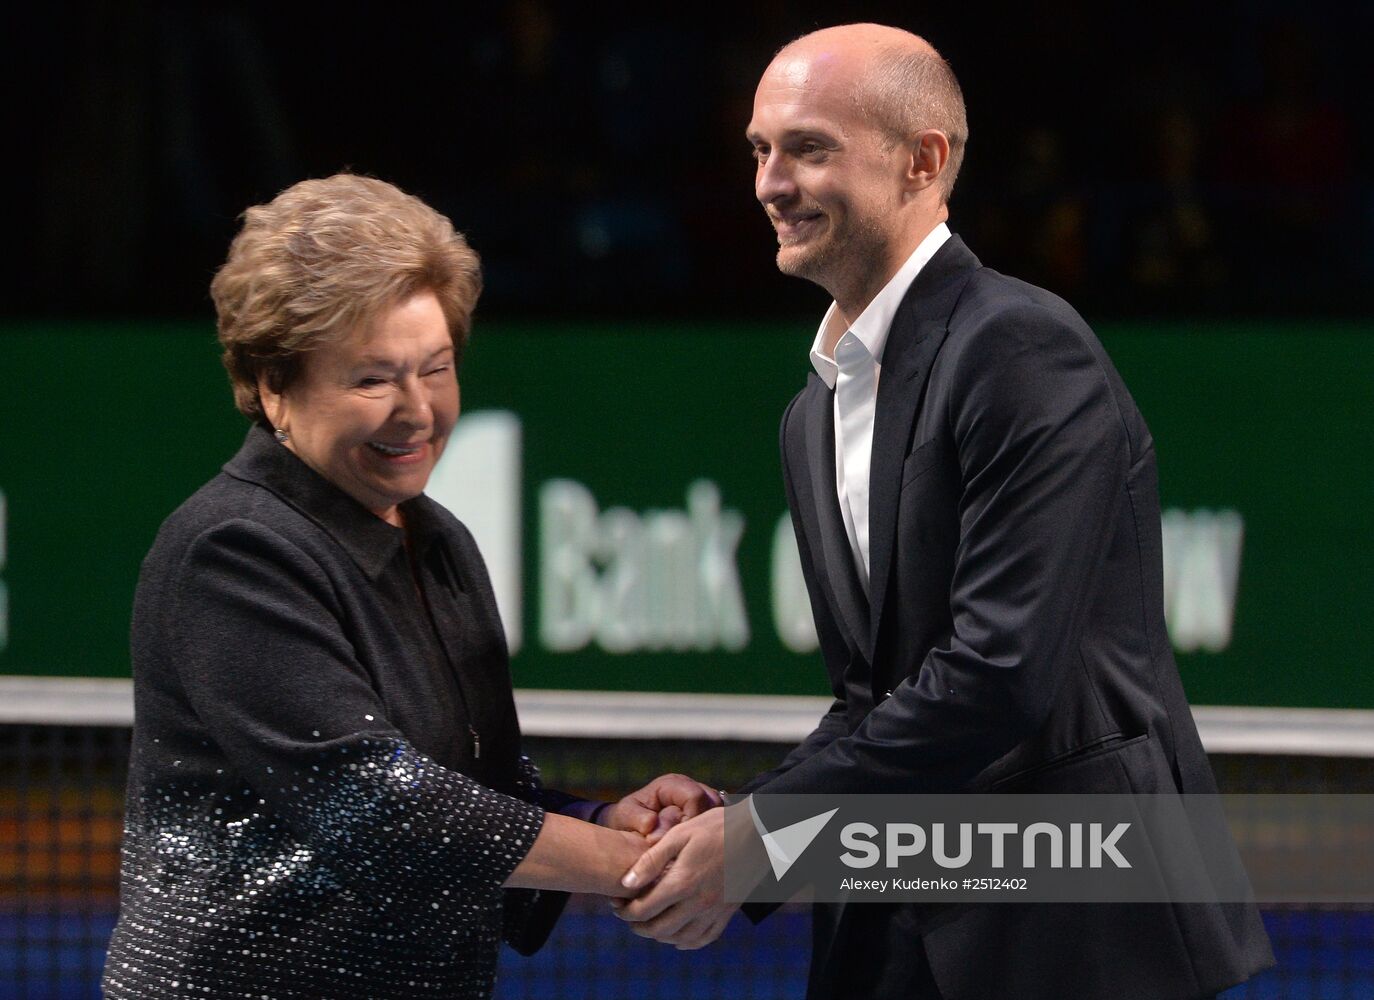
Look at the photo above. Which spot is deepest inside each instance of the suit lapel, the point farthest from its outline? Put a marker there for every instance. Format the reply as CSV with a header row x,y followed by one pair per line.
x,y
839,559
918,330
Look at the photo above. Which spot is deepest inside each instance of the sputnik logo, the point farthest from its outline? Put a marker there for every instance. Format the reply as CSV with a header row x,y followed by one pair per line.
x,y
785,846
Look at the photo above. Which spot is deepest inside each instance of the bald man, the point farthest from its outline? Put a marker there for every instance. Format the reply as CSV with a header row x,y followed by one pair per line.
x,y
974,498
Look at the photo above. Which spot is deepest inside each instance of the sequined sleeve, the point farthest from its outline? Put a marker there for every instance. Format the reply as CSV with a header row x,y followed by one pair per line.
x,y
528,915
268,670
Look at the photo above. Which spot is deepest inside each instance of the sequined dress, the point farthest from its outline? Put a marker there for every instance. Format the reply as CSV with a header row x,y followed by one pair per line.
x,y
326,790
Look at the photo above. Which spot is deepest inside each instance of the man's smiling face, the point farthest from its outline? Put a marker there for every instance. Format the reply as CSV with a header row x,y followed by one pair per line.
x,y
829,179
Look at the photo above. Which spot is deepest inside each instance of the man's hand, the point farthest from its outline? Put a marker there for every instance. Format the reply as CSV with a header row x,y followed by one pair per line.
x,y
684,902
659,806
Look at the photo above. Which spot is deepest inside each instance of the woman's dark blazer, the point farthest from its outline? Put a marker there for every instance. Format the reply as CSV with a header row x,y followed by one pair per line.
x,y
326,789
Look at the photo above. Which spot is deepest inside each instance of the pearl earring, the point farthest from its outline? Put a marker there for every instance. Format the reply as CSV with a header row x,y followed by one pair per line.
x,y
280,435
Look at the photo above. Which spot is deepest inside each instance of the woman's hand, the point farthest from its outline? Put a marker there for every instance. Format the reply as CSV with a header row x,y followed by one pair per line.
x,y
660,805
579,857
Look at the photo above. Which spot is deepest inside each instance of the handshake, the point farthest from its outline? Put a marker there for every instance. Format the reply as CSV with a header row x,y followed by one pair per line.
x,y
674,892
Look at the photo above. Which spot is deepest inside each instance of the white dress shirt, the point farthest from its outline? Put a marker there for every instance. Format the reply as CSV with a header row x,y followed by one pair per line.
x,y
852,373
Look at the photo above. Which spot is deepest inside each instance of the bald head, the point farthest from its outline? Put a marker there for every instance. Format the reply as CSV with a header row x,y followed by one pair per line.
x,y
896,80
858,39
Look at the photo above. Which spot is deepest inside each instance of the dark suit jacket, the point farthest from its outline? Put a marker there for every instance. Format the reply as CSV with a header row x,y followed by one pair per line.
x,y
1015,638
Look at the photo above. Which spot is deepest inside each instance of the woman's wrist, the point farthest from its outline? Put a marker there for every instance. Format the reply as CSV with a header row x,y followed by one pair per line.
x,y
628,847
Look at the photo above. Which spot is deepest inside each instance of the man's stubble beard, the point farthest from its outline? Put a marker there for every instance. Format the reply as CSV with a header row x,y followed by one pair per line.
x,y
841,260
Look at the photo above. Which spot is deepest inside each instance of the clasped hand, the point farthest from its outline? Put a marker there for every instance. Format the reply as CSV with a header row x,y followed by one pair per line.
x,y
659,806
681,876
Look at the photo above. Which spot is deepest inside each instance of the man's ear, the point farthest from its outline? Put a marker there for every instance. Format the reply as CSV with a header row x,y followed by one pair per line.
x,y
929,155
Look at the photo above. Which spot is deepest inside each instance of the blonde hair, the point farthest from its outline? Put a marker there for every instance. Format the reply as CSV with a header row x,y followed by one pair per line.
x,y
321,259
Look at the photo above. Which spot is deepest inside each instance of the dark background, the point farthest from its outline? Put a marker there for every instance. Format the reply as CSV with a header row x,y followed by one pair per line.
x,y
1151,160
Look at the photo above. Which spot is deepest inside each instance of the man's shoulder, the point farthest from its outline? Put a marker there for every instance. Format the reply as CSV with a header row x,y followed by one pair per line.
x,y
1004,329
993,298
999,317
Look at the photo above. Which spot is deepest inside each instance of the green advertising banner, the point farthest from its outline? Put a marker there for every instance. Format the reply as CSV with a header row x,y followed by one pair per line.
x,y
624,486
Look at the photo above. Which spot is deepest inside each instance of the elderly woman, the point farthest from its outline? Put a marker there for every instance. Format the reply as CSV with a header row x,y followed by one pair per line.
x,y
327,796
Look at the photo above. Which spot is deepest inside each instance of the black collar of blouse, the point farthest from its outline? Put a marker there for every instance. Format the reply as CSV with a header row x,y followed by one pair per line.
x,y
371,542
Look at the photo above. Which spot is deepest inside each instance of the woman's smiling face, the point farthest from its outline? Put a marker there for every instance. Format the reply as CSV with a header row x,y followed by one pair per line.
x,y
372,412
